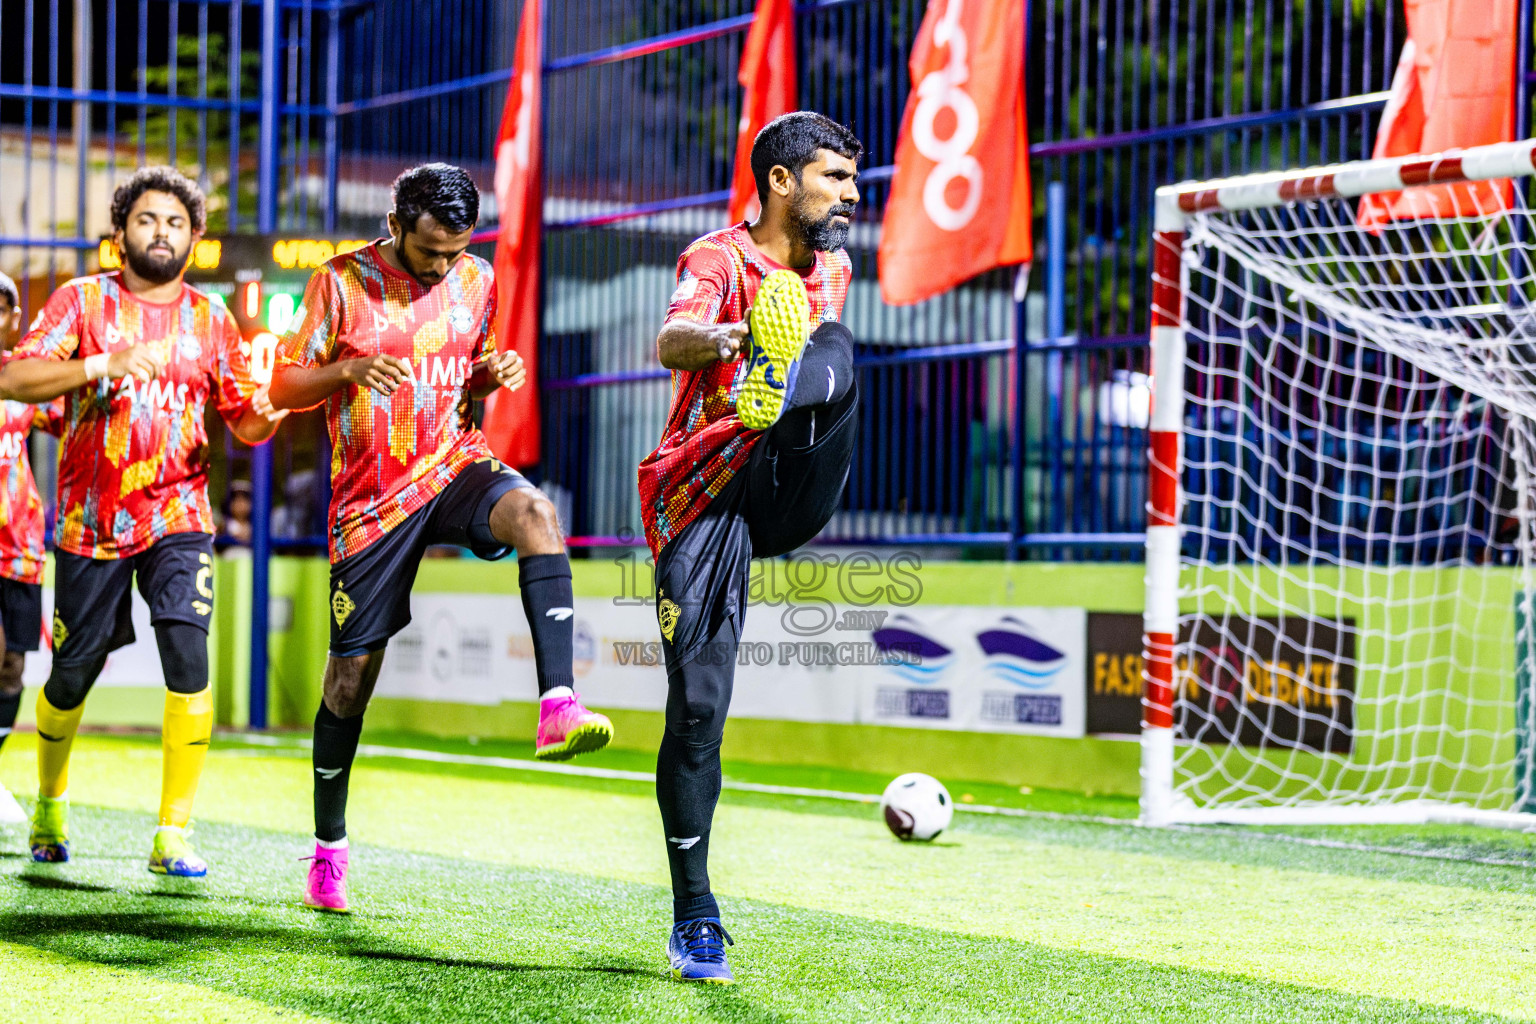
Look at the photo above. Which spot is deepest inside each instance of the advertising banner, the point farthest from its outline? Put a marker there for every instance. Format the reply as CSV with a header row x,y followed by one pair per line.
x,y
1250,680
943,667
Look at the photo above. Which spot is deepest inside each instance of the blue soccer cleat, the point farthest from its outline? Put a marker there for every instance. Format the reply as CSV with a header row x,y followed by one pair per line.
x,y
697,951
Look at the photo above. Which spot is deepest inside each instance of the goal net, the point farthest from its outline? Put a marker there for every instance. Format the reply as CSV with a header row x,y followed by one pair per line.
x,y
1339,600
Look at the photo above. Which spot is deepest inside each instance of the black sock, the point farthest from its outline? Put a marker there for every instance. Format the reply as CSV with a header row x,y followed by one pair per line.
x,y
826,368
335,747
545,581
9,706
687,789
824,377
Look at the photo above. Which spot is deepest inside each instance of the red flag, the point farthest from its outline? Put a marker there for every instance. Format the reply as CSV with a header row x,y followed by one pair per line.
x,y
960,201
1454,87
767,77
512,418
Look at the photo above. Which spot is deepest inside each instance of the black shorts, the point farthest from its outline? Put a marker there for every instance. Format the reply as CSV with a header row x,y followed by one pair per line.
x,y
371,590
21,614
93,597
780,500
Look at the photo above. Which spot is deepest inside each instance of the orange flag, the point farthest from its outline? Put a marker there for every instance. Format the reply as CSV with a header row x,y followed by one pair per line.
x,y
767,75
1454,87
512,418
960,202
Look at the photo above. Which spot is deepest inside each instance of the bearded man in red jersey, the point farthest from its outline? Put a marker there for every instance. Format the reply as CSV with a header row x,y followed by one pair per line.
x,y
136,355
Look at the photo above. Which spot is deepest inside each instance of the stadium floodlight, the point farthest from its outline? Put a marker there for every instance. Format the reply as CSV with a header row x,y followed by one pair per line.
x,y
1340,596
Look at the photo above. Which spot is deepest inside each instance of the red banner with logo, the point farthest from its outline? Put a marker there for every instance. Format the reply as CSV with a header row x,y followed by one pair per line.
x,y
512,418
1454,88
960,201
767,75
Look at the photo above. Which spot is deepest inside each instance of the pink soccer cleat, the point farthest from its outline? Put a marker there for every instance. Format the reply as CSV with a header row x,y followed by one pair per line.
x,y
567,729
326,888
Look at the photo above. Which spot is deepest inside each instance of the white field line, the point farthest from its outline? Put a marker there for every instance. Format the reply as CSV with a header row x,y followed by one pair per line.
x,y
293,745
551,768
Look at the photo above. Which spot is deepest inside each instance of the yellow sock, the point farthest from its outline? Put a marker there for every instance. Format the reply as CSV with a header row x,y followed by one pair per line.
x,y
55,737
183,747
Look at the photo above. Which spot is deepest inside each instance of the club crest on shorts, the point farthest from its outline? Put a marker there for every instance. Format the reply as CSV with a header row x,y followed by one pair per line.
x,y
667,612
60,631
341,607
459,317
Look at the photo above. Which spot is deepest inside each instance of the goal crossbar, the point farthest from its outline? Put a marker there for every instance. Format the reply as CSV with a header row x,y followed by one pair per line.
x,y
1177,208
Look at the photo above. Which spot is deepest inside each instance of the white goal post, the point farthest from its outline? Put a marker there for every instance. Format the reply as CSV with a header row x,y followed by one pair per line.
x,y
1339,596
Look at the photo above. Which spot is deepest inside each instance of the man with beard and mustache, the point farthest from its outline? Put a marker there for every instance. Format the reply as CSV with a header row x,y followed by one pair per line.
x,y
752,463
135,354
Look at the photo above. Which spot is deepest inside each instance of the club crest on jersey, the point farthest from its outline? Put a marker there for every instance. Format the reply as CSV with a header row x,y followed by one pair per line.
x,y
667,614
341,606
686,288
459,317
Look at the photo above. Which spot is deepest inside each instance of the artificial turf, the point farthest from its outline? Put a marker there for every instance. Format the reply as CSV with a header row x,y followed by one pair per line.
x,y
486,894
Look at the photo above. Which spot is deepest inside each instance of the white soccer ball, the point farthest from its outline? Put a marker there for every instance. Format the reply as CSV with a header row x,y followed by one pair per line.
x,y
916,806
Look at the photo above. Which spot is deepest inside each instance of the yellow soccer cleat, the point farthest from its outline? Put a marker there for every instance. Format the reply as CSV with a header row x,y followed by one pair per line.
x,y
49,838
779,322
173,855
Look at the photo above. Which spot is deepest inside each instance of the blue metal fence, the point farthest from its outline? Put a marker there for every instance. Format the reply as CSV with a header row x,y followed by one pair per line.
x,y
297,114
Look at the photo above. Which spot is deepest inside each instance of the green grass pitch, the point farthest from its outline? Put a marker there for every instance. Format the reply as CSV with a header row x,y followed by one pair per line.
x,y
489,894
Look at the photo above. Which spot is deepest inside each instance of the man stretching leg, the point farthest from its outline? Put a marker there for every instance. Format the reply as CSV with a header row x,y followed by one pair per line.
x,y
395,339
752,463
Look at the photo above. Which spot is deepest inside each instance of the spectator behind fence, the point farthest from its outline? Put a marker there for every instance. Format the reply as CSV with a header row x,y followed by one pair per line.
x,y
236,532
294,519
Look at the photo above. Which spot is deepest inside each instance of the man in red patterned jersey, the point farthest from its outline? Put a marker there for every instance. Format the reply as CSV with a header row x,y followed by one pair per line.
x,y
21,543
752,462
136,355
396,339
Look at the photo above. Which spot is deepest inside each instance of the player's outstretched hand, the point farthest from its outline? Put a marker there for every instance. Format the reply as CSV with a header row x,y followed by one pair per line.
x,y
383,374
507,370
137,361
261,401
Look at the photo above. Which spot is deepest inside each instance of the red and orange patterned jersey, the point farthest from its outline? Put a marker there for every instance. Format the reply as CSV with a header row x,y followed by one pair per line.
x,y
133,463
390,455
704,444
21,507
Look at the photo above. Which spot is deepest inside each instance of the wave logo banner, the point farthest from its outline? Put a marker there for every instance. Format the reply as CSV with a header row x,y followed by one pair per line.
x,y
956,667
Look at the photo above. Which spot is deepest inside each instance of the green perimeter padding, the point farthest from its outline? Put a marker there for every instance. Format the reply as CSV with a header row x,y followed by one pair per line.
x,y
1392,606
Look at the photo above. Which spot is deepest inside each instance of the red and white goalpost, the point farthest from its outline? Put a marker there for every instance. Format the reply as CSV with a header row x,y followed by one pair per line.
x,y
1339,521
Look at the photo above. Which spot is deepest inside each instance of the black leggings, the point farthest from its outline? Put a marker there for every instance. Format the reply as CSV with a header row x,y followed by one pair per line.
x,y
785,496
183,659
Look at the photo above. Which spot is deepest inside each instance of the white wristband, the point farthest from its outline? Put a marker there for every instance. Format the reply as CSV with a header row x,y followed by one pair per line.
x,y
96,366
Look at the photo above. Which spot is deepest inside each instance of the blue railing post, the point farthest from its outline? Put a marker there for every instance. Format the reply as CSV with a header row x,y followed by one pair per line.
x,y
1055,332
268,142
1523,71
261,457
332,129
1017,525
